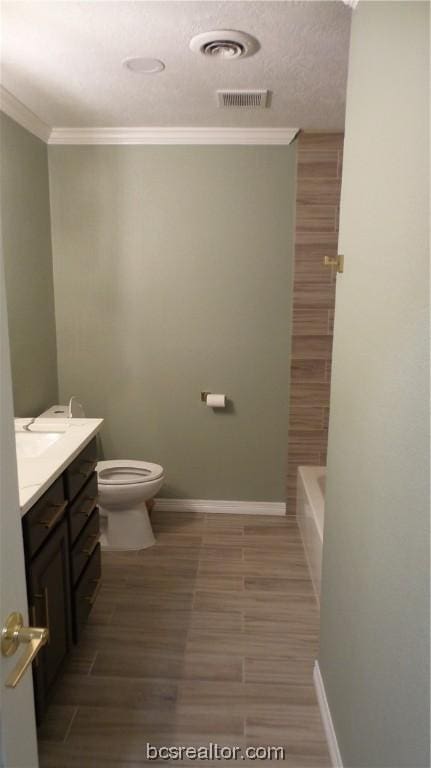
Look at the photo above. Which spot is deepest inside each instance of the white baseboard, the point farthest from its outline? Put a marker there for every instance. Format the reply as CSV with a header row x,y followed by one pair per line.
x,y
223,507
325,714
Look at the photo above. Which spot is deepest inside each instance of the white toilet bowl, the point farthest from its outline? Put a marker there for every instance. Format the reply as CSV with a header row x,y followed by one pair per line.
x,y
124,488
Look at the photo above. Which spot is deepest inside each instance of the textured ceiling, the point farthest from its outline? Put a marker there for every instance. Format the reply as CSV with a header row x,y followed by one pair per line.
x,y
62,59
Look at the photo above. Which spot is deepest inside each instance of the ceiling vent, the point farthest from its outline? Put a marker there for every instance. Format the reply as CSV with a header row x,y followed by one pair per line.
x,y
224,44
243,99
224,49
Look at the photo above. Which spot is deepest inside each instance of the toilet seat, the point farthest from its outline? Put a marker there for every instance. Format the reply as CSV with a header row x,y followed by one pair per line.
x,y
125,472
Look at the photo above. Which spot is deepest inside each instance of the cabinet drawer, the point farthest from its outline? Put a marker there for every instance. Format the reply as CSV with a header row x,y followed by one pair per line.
x,y
82,508
86,592
85,545
43,517
80,470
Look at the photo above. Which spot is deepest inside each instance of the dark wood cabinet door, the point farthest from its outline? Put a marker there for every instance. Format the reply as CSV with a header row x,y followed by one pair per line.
x,y
79,471
42,518
86,592
81,509
49,598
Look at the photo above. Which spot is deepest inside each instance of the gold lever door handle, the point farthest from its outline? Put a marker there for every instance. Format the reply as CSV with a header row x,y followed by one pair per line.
x,y
15,634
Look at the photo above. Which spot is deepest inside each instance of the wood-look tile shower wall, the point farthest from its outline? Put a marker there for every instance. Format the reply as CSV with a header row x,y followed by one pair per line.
x,y
317,214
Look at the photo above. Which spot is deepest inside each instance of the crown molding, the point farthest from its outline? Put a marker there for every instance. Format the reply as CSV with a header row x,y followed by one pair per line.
x,y
178,135
15,109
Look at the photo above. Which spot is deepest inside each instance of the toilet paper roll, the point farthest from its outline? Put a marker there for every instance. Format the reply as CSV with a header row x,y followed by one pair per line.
x,y
216,401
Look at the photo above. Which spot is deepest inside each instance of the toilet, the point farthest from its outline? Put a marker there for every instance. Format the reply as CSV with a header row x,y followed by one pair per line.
x,y
125,486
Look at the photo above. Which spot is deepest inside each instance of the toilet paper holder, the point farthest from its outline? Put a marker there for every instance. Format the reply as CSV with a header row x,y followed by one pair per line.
x,y
206,395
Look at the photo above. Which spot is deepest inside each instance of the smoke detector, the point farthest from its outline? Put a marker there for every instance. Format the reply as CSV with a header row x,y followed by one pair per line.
x,y
224,44
144,66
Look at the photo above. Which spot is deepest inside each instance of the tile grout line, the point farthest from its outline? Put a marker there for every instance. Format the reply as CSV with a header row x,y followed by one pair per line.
x,y
192,607
69,727
92,664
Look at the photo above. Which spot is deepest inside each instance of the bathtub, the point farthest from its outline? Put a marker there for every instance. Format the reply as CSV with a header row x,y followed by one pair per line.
x,y
310,514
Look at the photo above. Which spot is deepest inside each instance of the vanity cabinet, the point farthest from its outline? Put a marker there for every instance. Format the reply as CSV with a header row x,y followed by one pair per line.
x,y
63,566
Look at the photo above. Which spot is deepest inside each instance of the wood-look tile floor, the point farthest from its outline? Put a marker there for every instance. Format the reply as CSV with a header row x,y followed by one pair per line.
x,y
209,636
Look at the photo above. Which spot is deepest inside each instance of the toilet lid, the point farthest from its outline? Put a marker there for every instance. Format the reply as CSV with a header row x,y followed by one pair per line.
x,y
125,472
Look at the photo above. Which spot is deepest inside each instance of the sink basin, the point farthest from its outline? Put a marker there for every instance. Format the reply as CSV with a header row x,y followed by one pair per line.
x,y
29,445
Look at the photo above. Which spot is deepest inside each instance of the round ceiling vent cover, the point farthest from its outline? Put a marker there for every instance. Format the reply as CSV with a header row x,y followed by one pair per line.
x,y
224,44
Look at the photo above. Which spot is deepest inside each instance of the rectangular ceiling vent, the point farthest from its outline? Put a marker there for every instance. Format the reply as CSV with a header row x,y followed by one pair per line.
x,y
243,99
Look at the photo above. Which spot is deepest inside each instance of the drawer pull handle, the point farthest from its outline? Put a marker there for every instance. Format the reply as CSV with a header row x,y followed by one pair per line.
x,y
93,504
91,544
92,598
45,598
91,467
34,622
51,521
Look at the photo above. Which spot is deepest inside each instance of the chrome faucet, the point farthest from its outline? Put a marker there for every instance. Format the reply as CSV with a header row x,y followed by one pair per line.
x,y
70,406
78,411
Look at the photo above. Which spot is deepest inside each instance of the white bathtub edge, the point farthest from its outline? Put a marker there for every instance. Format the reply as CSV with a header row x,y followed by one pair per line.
x,y
314,494
310,513
325,714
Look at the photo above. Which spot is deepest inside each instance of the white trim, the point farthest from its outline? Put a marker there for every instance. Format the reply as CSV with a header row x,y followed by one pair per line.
x,y
223,507
140,135
15,109
325,714
178,135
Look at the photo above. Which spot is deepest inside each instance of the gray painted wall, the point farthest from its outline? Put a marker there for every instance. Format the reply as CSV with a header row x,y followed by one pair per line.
x,y
374,653
26,240
173,271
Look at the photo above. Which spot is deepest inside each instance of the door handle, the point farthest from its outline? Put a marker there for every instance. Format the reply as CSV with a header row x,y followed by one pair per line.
x,y
13,635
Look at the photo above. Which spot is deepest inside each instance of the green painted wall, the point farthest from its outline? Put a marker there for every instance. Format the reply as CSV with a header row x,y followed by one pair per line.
x,y
173,271
374,653
26,240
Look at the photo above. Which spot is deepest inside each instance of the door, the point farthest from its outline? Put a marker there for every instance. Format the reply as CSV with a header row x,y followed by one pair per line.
x,y
18,743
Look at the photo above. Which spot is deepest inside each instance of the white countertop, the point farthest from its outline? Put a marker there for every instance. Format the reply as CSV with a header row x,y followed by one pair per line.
x,y
37,473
